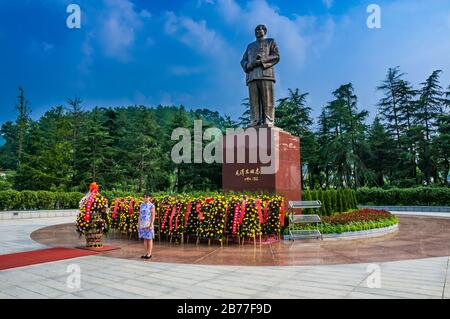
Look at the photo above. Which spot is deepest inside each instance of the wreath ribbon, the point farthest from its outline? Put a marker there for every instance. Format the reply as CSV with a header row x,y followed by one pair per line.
x,y
243,209
130,209
188,212
266,211
174,211
116,205
235,218
163,225
199,211
282,213
89,204
258,208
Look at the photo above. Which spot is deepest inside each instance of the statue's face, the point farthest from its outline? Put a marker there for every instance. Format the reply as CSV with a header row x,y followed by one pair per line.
x,y
260,32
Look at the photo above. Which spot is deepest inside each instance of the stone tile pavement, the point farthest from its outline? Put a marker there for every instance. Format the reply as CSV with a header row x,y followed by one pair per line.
x,y
15,233
105,277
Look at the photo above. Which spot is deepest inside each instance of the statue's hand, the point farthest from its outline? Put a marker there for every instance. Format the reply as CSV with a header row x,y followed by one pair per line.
x,y
256,64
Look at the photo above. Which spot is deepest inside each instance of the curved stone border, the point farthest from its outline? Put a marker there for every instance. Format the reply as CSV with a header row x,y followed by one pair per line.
x,y
362,233
392,208
358,234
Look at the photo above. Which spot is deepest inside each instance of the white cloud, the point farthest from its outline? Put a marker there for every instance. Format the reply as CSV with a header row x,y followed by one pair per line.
x,y
185,70
328,3
118,28
287,31
195,34
202,2
230,10
293,38
145,14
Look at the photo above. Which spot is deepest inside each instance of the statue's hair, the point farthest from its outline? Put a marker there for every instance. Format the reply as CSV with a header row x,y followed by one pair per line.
x,y
263,26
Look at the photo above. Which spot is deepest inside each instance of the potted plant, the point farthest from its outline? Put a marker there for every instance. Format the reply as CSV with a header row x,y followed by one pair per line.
x,y
93,218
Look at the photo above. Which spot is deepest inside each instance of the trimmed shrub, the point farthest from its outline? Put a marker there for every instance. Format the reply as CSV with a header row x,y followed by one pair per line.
x,y
333,201
420,196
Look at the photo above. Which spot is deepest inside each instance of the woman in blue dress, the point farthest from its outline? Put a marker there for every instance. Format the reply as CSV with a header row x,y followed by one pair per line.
x,y
145,226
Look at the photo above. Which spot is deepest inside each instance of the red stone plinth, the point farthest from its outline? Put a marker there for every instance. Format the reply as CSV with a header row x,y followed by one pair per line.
x,y
248,175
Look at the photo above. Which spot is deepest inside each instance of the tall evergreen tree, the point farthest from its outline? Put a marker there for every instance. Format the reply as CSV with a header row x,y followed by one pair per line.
x,y
95,149
76,114
430,103
441,148
8,151
324,137
244,119
24,112
381,153
293,115
349,128
389,106
429,107
408,140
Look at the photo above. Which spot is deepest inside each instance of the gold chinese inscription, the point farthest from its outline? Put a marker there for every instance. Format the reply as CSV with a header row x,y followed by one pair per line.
x,y
249,174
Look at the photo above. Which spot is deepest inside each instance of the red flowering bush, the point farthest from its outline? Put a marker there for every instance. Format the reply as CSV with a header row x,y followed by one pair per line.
x,y
360,215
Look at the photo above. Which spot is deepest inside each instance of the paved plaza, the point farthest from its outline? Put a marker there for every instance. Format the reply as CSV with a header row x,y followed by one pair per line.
x,y
111,277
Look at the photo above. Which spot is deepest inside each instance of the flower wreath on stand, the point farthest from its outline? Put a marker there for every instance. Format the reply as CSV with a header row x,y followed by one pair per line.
x,y
93,218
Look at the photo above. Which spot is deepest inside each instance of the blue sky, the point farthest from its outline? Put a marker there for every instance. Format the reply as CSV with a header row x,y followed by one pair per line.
x,y
188,52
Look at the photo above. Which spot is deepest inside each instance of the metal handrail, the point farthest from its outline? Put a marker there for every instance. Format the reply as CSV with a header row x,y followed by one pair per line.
x,y
305,204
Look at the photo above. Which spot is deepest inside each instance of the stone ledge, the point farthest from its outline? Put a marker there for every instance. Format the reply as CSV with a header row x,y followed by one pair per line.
x,y
31,214
437,209
358,234
362,233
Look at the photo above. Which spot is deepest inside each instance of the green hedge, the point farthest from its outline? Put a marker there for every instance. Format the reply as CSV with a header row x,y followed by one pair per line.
x,y
420,196
333,200
24,200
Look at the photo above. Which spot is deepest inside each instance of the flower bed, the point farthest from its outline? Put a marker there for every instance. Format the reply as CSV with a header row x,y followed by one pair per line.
x,y
205,217
358,220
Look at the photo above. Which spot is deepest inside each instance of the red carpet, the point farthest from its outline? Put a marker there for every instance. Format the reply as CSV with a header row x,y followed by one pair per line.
x,y
98,249
40,256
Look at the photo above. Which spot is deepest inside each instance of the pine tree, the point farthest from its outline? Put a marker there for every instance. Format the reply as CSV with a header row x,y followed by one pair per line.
x,y
429,107
347,142
293,115
390,105
76,114
381,155
24,111
245,118
430,103
441,148
95,149
8,151
324,136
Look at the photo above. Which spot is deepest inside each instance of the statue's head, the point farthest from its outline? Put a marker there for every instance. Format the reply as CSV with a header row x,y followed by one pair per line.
x,y
260,31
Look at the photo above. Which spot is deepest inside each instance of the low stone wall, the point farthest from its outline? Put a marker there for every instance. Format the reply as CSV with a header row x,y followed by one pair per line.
x,y
7,215
358,234
362,234
434,209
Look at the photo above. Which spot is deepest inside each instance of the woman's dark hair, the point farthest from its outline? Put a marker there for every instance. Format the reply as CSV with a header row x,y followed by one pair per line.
x,y
146,195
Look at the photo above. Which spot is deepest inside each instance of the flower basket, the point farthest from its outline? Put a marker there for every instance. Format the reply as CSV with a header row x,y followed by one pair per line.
x,y
93,219
93,238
